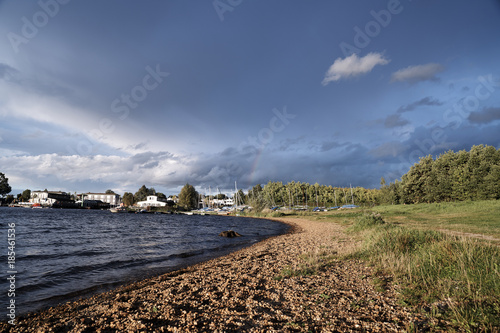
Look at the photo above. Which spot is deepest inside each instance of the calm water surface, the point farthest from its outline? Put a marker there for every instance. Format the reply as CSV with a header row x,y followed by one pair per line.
x,y
62,254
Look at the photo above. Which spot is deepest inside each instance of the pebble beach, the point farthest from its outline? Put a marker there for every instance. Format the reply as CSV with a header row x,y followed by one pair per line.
x,y
267,287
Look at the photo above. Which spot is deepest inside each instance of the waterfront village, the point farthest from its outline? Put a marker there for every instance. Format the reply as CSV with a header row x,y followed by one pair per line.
x,y
114,202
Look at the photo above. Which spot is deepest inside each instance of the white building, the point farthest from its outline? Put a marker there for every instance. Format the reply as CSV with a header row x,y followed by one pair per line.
x,y
111,198
48,198
151,201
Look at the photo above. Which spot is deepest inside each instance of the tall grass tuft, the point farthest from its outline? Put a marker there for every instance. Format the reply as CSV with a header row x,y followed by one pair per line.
x,y
366,221
459,277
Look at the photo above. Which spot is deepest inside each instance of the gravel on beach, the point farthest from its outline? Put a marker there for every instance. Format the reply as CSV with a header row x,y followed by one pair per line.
x,y
267,287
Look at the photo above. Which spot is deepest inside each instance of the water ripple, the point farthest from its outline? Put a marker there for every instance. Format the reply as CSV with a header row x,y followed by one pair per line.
x,y
64,254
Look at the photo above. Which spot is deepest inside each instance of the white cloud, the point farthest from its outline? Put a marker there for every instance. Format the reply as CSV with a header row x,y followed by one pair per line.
x,y
353,66
418,73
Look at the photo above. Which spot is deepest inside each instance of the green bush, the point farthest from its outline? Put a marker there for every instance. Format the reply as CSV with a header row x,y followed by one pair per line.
x,y
400,240
367,221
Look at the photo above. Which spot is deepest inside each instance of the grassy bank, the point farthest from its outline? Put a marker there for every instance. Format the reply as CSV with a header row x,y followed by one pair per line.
x,y
444,259
477,217
450,277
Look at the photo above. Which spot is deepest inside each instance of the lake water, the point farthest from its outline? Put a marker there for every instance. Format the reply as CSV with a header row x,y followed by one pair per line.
x,y
61,255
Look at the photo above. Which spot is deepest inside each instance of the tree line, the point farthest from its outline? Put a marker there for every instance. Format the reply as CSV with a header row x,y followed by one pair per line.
x,y
300,194
452,176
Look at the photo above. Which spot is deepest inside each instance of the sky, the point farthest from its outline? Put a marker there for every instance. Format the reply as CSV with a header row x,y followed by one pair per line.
x,y
114,95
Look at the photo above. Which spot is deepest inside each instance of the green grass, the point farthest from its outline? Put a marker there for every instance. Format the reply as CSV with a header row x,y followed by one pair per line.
x,y
477,217
456,278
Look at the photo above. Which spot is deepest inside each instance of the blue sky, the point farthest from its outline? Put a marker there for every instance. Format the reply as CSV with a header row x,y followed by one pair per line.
x,y
113,95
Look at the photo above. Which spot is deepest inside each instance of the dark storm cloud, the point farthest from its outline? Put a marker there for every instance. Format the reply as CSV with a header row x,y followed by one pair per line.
x,y
395,120
433,141
485,116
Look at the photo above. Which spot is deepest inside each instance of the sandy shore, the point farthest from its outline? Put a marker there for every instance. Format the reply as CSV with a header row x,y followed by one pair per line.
x,y
248,290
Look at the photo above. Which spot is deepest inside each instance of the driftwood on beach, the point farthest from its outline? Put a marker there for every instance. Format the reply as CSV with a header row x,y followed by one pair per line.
x,y
229,234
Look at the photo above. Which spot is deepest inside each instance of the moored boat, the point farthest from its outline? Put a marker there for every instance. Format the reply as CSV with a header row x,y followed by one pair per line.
x,y
118,210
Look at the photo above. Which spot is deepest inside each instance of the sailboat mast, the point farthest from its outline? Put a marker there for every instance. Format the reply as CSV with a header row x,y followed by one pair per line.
x,y
209,196
235,194
352,196
317,202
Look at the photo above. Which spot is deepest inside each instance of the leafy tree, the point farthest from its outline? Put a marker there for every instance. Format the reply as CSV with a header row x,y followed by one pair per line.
x,y
188,197
395,192
255,198
128,199
472,175
256,202
241,197
143,193
26,195
255,192
4,185
491,185
443,169
9,198
110,192
385,194
161,196
418,180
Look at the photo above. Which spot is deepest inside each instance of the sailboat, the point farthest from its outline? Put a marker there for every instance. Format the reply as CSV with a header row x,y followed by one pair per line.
x,y
235,200
352,198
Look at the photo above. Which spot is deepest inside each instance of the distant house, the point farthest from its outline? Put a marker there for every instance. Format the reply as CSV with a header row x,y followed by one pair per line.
x,y
48,198
173,198
152,201
93,204
111,198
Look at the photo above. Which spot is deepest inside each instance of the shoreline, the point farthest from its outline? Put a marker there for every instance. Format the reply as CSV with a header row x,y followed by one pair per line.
x,y
97,264
241,291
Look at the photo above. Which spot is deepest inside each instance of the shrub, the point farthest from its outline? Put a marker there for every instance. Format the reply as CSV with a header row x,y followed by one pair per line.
x,y
367,221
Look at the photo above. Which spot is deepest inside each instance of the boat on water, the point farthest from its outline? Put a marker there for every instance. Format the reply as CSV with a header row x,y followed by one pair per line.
x,y
118,210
